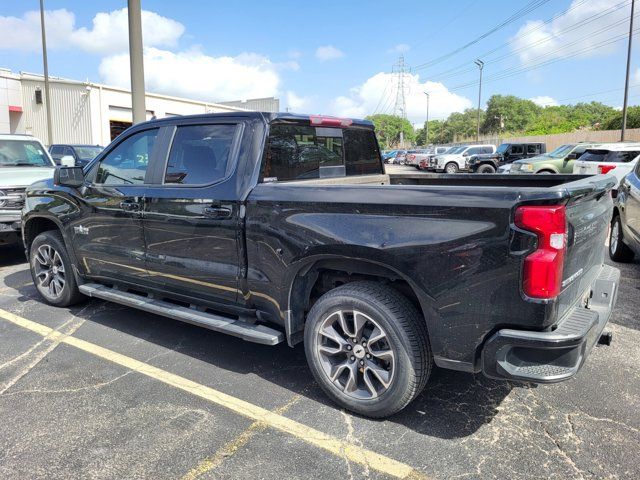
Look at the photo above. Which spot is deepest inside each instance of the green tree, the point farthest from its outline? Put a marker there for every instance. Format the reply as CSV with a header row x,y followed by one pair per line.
x,y
388,128
614,122
516,114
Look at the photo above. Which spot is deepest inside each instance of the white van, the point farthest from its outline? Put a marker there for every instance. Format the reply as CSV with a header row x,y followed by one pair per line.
x,y
609,158
455,159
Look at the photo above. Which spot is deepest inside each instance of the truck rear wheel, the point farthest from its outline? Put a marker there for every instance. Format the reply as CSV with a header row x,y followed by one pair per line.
x,y
618,250
367,347
52,271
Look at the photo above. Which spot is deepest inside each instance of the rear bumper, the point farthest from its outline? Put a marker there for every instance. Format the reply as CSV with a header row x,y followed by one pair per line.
x,y
556,355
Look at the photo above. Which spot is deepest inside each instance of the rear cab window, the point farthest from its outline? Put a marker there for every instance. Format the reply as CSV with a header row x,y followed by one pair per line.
x,y
299,152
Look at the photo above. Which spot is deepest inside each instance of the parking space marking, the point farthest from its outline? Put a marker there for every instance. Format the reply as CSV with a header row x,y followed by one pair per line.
x,y
230,448
336,446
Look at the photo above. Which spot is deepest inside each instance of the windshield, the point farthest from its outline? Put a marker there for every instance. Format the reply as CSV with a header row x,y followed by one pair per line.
x,y
88,153
23,153
562,151
456,149
502,148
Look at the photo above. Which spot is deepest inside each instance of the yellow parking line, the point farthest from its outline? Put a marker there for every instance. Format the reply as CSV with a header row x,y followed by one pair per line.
x,y
336,446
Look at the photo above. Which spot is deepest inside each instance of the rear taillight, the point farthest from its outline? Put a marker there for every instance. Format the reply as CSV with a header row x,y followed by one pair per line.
x,y
329,121
602,169
542,276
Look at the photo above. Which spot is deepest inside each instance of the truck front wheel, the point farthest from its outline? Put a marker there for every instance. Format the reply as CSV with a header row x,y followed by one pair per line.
x,y
367,347
486,168
451,168
52,271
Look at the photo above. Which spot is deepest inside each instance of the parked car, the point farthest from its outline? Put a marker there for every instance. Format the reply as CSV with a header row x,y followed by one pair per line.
x,y
506,153
423,160
395,156
560,160
216,228
401,157
82,154
23,160
455,159
624,236
617,159
414,156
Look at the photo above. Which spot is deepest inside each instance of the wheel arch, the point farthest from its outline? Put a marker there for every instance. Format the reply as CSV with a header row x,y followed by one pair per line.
x,y
313,277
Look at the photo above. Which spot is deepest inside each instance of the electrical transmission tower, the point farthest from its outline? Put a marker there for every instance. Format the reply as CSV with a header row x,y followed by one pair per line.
x,y
400,107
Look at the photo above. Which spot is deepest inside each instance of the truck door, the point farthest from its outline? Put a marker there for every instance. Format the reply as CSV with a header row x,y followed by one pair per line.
x,y
109,240
632,207
192,217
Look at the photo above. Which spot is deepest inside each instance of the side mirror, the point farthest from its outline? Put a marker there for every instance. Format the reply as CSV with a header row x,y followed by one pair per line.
x,y
465,154
68,161
68,176
571,156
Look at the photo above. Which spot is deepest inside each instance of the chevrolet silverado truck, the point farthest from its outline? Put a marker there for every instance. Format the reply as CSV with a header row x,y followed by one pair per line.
x,y
285,228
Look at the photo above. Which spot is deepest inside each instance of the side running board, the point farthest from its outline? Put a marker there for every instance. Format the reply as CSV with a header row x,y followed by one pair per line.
x,y
238,328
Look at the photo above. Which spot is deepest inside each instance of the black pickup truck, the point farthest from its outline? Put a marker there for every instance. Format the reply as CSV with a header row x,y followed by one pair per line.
x,y
506,153
280,227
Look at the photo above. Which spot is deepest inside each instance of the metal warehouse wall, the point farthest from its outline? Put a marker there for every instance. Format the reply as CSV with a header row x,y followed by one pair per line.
x,y
70,112
269,104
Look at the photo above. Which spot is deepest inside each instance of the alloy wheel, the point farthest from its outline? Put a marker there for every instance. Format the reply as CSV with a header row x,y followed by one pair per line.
x,y
49,271
355,354
615,236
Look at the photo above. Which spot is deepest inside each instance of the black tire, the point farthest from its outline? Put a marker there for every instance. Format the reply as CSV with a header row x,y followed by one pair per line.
x,y
69,294
451,168
405,331
486,169
545,172
618,250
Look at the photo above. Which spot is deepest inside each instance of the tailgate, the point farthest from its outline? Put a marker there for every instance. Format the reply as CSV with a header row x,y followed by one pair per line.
x,y
585,168
588,213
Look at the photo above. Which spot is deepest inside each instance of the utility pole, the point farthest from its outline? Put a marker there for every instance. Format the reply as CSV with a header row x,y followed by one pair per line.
x,y
400,107
136,60
626,82
47,99
480,65
427,124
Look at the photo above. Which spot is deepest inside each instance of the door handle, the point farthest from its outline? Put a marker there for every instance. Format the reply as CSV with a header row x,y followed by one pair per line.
x,y
217,211
129,206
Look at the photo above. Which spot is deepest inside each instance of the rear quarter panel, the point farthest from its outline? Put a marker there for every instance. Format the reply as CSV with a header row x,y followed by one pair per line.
x,y
453,246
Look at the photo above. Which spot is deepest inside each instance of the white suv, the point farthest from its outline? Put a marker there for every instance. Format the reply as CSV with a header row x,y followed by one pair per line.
x,y
23,160
455,159
616,159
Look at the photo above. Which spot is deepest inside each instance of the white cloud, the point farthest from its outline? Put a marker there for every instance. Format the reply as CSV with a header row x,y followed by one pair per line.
x,y
298,103
295,54
109,32
558,39
328,52
544,101
194,74
400,48
377,94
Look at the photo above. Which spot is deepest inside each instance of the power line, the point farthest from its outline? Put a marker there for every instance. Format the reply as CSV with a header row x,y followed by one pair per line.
x,y
528,8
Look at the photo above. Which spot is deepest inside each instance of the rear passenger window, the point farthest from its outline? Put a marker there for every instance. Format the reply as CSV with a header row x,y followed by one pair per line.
x,y
533,148
487,150
200,154
517,149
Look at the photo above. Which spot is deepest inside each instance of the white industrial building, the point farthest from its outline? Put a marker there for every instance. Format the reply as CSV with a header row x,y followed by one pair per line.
x,y
90,113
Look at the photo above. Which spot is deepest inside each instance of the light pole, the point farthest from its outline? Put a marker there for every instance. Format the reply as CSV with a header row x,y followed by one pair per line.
x,y
47,101
480,65
427,140
136,60
626,82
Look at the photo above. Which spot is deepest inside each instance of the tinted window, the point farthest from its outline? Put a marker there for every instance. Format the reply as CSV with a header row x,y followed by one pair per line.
x,y
516,150
56,150
127,163
297,152
474,150
68,151
609,156
487,150
200,154
533,148
88,153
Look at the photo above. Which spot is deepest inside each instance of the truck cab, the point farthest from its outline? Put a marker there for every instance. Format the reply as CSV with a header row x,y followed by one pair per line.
x,y
506,153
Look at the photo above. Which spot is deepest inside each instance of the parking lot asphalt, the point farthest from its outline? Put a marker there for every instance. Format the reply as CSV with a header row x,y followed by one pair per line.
x,y
104,391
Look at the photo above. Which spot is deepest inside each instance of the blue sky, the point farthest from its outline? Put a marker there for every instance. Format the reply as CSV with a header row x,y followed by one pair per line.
x,y
336,57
